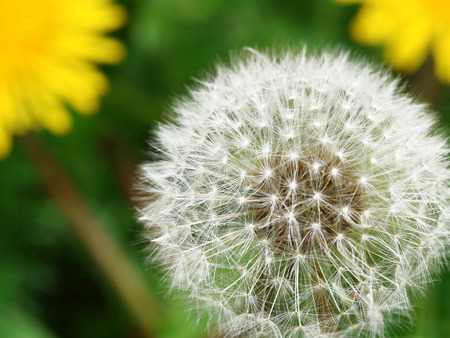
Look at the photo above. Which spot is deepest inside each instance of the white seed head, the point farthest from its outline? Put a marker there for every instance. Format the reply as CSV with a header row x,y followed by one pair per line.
x,y
299,195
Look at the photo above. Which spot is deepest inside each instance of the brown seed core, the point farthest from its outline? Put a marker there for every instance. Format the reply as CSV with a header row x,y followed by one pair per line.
x,y
304,202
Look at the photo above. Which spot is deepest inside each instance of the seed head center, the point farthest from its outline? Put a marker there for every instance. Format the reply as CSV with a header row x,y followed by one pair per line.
x,y
306,203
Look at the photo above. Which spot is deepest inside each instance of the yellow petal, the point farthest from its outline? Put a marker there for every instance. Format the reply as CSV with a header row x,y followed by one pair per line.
x,y
19,120
57,119
409,47
7,114
52,49
80,85
373,25
98,18
93,48
49,111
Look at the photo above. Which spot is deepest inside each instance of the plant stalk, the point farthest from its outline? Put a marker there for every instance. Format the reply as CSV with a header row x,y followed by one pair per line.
x,y
101,246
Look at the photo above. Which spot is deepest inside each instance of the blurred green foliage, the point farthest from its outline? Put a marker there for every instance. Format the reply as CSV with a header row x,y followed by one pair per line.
x,y
49,286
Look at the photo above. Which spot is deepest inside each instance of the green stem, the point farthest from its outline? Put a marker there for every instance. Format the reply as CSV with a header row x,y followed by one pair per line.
x,y
117,268
426,85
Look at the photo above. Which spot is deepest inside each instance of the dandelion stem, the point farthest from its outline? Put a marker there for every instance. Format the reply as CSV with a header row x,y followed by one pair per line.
x,y
426,83
101,246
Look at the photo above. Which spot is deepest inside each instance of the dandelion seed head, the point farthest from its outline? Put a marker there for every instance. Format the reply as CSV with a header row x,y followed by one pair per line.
x,y
299,195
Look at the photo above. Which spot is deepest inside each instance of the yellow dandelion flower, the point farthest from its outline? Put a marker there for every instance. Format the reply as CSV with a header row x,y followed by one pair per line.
x,y
49,52
409,30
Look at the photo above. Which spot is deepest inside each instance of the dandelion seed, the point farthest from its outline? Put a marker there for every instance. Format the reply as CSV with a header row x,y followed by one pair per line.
x,y
242,200
293,155
267,173
293,185
329,235
335,172
316,166
317,196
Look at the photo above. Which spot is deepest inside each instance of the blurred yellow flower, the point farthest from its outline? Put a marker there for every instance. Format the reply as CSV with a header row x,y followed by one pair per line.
x,y
409,30
48,57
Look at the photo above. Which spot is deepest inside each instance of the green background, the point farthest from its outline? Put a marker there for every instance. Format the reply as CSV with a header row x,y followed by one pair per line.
x,y
49,285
